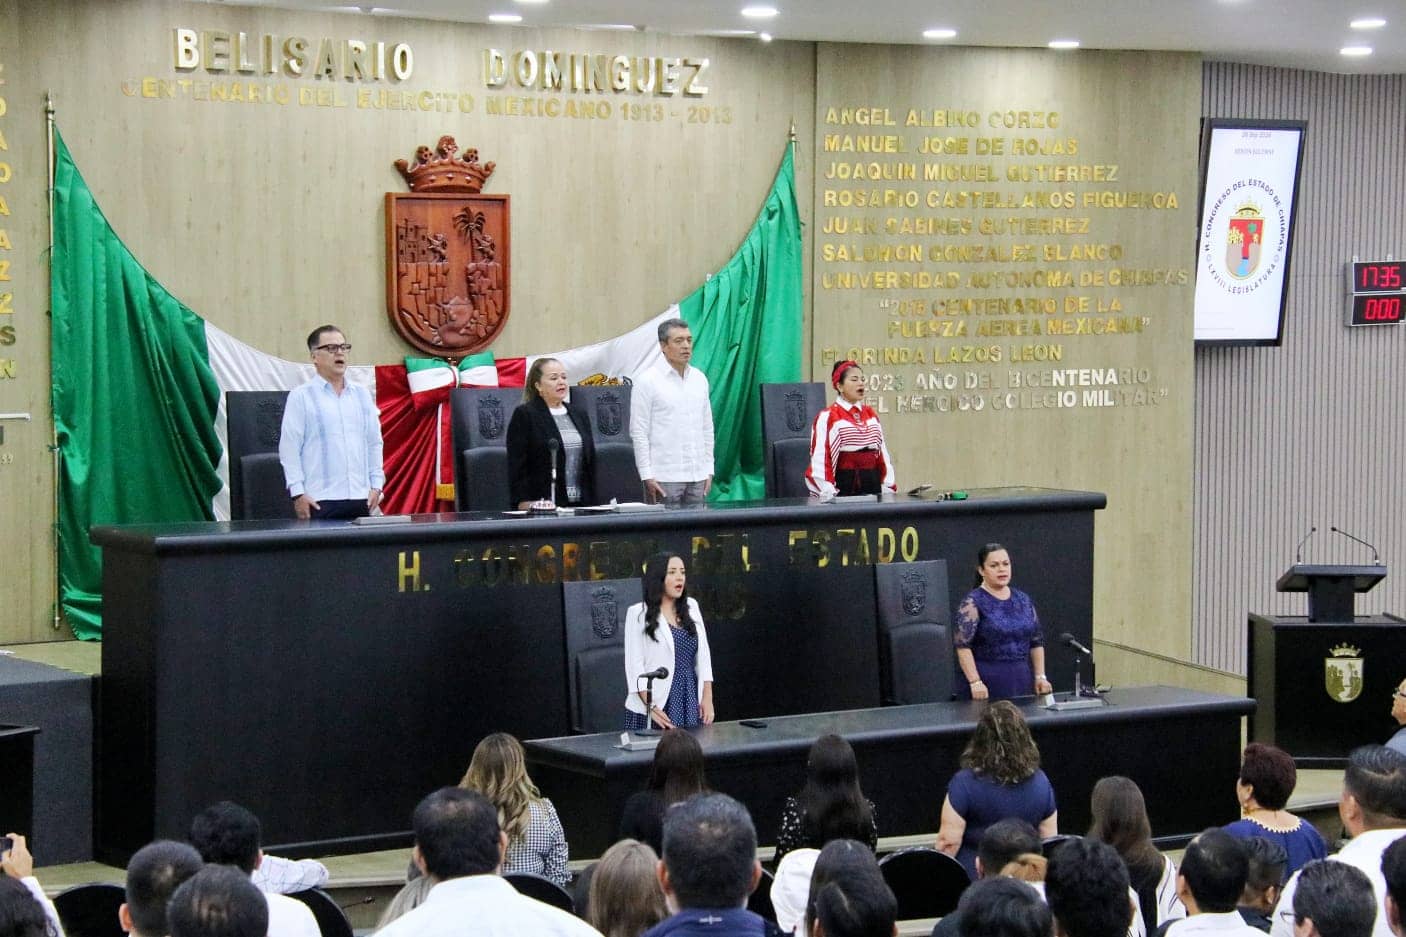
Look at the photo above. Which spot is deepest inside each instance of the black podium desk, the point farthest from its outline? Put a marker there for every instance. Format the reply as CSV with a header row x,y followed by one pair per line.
x,y
1324,688
329,675
1181,747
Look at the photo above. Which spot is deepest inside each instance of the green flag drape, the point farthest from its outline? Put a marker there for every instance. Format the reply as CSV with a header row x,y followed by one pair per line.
x,y
133,395
747,324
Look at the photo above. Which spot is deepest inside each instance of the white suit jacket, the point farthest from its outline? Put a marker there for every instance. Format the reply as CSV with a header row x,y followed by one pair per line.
x,y
643,654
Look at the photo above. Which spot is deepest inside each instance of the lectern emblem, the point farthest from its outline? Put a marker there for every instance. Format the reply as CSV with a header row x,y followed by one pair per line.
x,y
1342,673
914,588
604,612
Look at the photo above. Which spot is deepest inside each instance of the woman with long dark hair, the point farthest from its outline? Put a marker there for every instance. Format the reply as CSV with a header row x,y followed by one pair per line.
x,y
675,776
666,631
1000,646
831,805
1120,820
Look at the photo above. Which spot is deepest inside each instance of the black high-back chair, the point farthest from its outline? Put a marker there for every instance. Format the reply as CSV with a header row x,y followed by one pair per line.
x,y
595,651
253,422
331,919
479,433
915,632
927,883
788,411
91,910
542,889
608,408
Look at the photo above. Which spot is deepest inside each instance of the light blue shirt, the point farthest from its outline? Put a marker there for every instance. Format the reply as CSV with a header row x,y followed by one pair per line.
x,y
330,445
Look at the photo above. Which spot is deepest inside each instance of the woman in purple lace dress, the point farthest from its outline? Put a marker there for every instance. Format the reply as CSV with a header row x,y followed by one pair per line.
x,y
1000,647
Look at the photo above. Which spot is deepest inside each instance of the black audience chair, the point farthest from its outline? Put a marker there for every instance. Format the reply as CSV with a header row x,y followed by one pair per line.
x,y
91,910
544,890
927,883
760,901
1051,844
331,919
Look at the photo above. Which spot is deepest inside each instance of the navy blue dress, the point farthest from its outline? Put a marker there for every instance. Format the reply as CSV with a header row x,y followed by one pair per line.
x,y
682,705
1000,634
981,802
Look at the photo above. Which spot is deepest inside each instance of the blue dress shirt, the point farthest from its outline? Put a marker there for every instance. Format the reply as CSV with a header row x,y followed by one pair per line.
x,y
330,445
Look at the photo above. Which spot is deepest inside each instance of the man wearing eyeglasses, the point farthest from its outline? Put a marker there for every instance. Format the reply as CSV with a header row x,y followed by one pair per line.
x,y
330,446
1398,712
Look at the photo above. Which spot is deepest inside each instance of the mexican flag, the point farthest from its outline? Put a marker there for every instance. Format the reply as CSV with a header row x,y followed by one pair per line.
x,y
139,381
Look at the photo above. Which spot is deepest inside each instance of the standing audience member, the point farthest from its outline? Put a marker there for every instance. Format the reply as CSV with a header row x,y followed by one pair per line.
x,y
675,775
1373,811
459,845
153,875
1333,899
18,865
671,423
831,805
1267,779
1398,712
1212,877
1394,873
626,899
1266,880
1120,820
848,894
228,834
1003,907
21,914
1000,778
218,901
536,841
709,869
1006,844
1087,888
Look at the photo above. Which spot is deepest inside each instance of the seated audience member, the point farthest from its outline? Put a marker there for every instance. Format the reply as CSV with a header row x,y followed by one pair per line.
x,y
536,841
218,901
153,875
1008,844
1000,778
1087,888
625,897
411,895
1265,882
848,895
1120,820
1003,907
675,775
16,863
1373,810
1212,877
1394,872
1397,742
1267,779
1334,899
709,869
790,888
831,805
228,834
21,914
461,847
285,876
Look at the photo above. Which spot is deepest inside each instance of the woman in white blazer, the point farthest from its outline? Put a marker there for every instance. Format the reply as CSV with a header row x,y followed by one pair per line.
x,y
666,630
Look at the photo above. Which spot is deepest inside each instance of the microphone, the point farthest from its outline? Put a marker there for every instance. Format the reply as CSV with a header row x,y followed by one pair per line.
x,y
1298,551
1376,557
658,674
1068,640
552,446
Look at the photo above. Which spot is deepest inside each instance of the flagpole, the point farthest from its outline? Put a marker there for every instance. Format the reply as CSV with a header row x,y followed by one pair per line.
x,y
53,420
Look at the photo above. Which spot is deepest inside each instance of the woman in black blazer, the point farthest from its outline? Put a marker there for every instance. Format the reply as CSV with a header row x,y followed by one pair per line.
x,y
542,418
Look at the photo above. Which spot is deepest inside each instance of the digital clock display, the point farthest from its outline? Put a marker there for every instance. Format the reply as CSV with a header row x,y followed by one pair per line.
x,y
1385,276
1377,309
1378,289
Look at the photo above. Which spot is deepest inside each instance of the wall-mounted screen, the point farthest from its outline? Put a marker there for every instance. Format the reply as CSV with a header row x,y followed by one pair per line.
x,y
1249,193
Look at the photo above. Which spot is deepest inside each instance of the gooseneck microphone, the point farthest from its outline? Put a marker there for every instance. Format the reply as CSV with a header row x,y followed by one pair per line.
x,y
657,674
552,446
1298,551
1068,640
1376,557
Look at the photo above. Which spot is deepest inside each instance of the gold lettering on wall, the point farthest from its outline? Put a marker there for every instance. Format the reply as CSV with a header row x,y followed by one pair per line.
x,y
329,59
594,73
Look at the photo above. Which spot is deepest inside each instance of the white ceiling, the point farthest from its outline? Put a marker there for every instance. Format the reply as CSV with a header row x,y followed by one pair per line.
x,y
1290,33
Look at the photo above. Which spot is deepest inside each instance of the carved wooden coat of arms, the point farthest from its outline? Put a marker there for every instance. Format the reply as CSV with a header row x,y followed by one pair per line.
x,y
447,253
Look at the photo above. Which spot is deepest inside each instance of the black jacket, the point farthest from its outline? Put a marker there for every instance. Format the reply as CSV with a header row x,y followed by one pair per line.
x,y
529,458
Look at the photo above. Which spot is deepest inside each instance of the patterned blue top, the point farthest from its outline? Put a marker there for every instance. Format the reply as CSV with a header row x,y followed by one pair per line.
x,y
1302,844
998,629
682,705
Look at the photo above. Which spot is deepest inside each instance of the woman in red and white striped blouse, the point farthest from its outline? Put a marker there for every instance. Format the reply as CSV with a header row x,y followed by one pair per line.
x,y
847,451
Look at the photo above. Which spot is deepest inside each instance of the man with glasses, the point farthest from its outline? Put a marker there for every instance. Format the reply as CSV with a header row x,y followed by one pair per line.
x,y
1398,712
671,423
330,446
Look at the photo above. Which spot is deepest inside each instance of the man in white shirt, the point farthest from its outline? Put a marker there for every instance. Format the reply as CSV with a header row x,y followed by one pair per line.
x,y
460,847
1333,899
671,423
1373,810
1212,877
330,445
218,901
228,834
